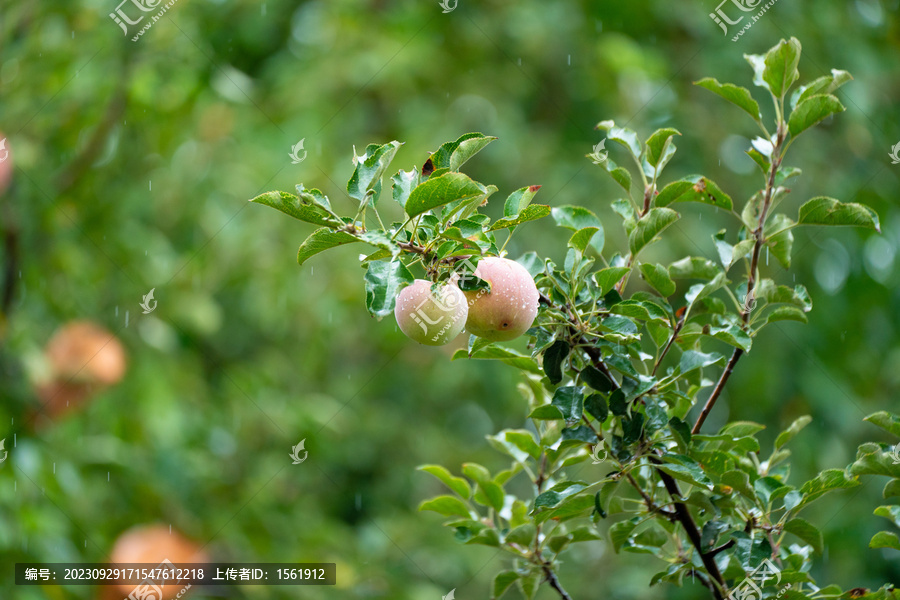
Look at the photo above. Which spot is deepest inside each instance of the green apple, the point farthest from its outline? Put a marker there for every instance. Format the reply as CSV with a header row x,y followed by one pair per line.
x,y
431,315
511,306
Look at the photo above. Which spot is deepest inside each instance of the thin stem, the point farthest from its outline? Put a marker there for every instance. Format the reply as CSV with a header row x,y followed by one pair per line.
x,y
665,351
554,582
729,368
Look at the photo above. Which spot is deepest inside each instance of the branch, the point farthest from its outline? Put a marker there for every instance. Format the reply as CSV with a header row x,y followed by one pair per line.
x,y
554,582
683,515
723,379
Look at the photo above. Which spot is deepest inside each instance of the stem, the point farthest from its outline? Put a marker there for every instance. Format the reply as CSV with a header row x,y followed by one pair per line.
x,y
665,351
729,368
683,516
554,582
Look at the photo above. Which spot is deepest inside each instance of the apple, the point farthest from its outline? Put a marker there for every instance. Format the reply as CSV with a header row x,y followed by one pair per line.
x,y
431,316
152,544
509,309
83,351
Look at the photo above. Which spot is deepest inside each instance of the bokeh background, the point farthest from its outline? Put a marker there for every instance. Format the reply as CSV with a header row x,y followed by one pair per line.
x,y
132,166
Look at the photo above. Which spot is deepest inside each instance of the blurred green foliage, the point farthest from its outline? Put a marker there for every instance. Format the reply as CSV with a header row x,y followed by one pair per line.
x,y
132,165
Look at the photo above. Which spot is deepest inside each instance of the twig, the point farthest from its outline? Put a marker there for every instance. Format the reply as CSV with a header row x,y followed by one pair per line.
x,y
723,379
554,582
683,515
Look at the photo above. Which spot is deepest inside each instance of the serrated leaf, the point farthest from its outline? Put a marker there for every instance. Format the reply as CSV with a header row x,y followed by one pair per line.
x,y
581,238
891,512
437,191
807,532
517,201
737,95
739,481
694,188
824,482
597,379
577,218
885,539
299,207
885,420
649,226
787,313
502,582
459,485
658,278
780,238
691,359
447,506
321,240
823,85
452,155
811,111
403,183
777,70
553,359
657,144
607,278
501,353
384,280
370,167
692,267
596,406
530,213
621,531
828,211
619,174
622,135
523,440
570,402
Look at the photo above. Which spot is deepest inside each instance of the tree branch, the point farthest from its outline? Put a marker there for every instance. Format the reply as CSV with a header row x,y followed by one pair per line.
x,y
717,391
554,582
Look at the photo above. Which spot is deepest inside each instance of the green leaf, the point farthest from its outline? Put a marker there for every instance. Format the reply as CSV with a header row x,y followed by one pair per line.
x,y
598,380
384,279
490,494
321,240
694,188
581,238
824,482
530,213
448,506
452,155
813,110
577,218
459,485
595,405
657,144
403,185
732,335
887,421
828,211
691,359
523,440
780,238
685,469
570,402
437,191
519,200
503,354
623,136
787,313
502,582
607,278
807,532
734,94
546,412
891,512
777,69
369,168
551,498
692,267
658,278
553,359
826,84
619,174
621,531
649,226
891,489
739,481
299,207
885,539
529,584
782,294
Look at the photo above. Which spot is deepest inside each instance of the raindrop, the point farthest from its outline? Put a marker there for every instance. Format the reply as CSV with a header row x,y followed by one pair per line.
x,y
117,311
107,477
264,9
520,61
73,35
170,529
570,60
126,318
151,186
54,468
312,270
767,256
